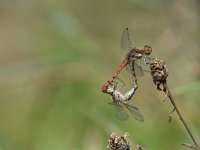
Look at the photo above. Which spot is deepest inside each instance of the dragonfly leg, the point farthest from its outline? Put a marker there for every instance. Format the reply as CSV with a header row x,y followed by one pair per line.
x,y
150,58
114,82
147,60
121,81
122,84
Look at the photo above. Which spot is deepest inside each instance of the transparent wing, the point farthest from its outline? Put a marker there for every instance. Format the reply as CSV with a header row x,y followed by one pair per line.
x,y
121,114
134,112
126,43
138,69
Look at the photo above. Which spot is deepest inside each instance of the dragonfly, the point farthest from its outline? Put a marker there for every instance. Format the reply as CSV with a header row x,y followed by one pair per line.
x,y
121,102
132,55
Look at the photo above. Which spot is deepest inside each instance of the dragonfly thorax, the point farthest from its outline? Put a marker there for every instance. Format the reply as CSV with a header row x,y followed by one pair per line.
x,y
134,54
118,97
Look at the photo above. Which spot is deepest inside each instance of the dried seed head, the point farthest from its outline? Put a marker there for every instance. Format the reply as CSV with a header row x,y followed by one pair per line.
x,y
118,143
159,73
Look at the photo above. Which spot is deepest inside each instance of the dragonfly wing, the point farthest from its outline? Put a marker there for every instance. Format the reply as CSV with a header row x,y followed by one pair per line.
x,y
137,68
128,68
121,114
134,112
140,67
126,43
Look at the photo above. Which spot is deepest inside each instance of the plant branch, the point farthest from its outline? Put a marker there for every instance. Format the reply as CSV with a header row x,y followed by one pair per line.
x,y
180,115
159,73
190,146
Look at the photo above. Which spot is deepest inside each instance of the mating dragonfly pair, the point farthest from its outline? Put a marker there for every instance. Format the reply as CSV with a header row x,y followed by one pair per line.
x,y
112,87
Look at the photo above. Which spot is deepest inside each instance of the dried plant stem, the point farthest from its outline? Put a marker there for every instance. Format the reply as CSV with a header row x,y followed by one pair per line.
x,y
179,114
190,146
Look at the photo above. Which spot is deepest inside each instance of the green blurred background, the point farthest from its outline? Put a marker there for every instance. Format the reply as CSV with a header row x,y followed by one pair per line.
x,y
56,54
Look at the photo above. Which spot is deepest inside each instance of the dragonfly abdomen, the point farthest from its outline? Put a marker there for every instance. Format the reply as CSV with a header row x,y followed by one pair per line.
x,y
122,65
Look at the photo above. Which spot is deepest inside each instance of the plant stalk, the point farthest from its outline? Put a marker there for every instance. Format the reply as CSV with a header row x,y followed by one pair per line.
x,y
179,114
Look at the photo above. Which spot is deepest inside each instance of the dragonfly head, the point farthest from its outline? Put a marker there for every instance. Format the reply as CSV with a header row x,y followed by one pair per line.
x,y
147,50
110,89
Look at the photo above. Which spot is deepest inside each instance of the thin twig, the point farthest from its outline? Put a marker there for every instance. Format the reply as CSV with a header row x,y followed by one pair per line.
x,y
180,115
159,73
190,146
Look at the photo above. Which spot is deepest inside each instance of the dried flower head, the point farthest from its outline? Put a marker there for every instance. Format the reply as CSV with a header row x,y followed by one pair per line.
x,y
118,143
159,73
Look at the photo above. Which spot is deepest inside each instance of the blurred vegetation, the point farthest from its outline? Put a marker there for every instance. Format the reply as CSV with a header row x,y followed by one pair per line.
x,y
55,55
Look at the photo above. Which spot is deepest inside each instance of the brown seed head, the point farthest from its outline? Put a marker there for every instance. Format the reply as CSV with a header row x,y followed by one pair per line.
x,y
118,143
159,72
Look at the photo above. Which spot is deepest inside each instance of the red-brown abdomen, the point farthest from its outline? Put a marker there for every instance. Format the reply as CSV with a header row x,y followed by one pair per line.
x,y
105,85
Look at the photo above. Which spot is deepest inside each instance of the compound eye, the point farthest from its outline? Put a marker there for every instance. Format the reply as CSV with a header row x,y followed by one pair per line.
x,y
118,96
148,50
